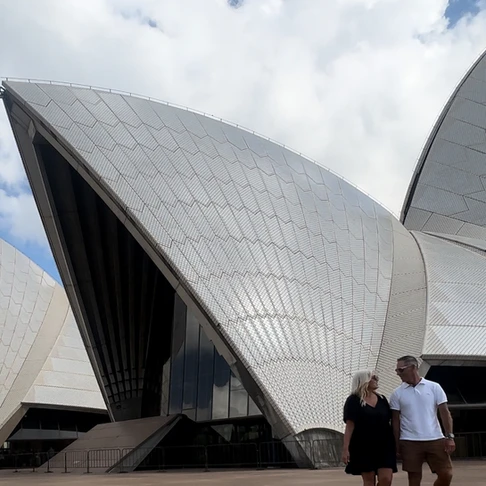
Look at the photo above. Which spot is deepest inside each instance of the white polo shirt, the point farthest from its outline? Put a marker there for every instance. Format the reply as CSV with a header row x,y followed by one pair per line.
x,y
418,410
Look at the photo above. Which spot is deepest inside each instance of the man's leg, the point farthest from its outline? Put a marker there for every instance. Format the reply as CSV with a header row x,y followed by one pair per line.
x,y
414,478
413,457
444,478
440,462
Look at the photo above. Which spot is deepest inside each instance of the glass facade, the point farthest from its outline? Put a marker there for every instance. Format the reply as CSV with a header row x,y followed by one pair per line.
x,y
178,354
197,381
460,383
238,398
205,378
51,429
221,381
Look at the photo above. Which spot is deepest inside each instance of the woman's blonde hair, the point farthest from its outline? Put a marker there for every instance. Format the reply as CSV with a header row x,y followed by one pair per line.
x,y
361,380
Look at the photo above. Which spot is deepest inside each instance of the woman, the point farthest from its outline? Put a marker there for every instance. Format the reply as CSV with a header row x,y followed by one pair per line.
x,y
369,445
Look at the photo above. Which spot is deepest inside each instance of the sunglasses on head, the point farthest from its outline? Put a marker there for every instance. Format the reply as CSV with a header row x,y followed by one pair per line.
x,y
374,377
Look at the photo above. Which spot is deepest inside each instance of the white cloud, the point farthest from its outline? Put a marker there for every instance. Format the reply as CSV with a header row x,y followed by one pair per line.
x,y
11,173
19,217
354,84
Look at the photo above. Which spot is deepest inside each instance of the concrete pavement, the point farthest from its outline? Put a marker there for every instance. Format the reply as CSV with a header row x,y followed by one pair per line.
x,y
467,474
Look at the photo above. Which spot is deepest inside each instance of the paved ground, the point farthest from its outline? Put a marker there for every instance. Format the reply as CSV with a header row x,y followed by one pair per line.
x,y
471,474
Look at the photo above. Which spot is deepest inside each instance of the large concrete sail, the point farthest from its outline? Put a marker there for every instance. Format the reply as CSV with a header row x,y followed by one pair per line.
x,y
287,267
456,307
448,190
43,361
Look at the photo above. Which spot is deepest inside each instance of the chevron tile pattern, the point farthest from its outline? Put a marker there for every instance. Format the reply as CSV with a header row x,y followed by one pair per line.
x,y
293,265
449,185
43,360
25,294
456,285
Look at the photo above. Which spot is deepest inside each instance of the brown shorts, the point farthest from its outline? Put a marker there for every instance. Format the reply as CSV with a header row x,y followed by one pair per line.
x,y
415,453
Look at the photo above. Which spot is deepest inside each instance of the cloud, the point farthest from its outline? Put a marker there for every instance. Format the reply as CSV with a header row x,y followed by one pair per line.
x,y
354,84
11,173
19,217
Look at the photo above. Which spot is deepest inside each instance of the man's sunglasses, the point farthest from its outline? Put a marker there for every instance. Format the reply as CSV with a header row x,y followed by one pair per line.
x,y
402,369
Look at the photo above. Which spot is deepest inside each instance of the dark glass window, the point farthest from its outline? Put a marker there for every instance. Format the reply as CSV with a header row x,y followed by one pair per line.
x,y
205,378
31,421
191,362
164,402
190,413
220,387
238,398
49,423
66,420
225,431
460,383
196,379
177,372
252,408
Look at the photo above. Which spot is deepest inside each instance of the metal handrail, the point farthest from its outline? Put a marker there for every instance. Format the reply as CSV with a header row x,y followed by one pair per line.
x,y
324,453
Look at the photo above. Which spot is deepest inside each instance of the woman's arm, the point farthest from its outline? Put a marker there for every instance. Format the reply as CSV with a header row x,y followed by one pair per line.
x,y
348,433
396,428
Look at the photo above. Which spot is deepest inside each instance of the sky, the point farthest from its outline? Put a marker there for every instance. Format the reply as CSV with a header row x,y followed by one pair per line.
x,y
354,84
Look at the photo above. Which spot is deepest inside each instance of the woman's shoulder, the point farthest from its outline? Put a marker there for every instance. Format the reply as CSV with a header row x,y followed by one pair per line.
x,y
353,398
382,397
352,408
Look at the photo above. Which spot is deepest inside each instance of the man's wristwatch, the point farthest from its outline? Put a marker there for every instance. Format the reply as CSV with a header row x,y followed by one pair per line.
x,y
450,436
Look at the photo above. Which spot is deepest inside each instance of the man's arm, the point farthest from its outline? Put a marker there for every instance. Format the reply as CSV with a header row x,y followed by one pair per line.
x,y
446,419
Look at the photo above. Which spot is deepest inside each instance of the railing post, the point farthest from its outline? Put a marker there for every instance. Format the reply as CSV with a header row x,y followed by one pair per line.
x,y
314,456
87,462
256,454
314,461
125,451
206,460
158,452
48,463
65,463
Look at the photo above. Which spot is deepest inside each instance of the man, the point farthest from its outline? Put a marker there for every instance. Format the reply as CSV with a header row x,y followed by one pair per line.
x,y
417,430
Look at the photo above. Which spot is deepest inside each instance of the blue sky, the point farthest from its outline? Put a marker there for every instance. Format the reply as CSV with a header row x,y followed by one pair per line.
x,y
39,254
182,45
458,8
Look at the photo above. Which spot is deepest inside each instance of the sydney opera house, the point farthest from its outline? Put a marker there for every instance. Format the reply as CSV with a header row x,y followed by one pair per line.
x,y
49,395
217,276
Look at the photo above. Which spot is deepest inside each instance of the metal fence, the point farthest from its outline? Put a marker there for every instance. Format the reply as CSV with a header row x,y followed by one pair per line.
x,y
25,461
470,445
312,454
205,457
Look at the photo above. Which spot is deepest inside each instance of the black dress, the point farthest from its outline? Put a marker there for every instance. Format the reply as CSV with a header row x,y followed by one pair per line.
x,y
372,444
